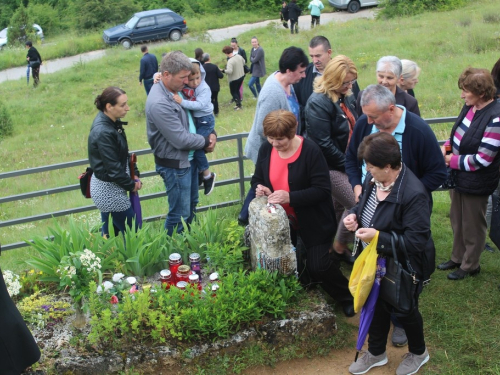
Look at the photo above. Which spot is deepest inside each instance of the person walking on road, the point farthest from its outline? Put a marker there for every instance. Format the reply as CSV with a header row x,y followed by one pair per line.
x,y
34,61
315,6
294,13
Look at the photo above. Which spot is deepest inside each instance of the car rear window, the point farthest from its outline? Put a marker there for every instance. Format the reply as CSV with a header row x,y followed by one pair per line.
x,y
165,18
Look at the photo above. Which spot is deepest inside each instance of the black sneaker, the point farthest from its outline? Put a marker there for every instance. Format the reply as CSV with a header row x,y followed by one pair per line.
x,y
200,179
209,184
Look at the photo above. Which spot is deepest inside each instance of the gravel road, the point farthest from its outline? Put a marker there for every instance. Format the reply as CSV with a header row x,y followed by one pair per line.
x,y
217,35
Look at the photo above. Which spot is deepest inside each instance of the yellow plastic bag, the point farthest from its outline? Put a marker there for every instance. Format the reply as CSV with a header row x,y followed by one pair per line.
x,y
363,274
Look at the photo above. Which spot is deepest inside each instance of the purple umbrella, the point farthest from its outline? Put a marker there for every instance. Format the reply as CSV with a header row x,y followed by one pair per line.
x,y
28,74
134,197
366,316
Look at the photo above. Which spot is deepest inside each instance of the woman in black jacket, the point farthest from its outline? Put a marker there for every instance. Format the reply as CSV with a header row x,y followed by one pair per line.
x,y
330,117
292,172
34,61
18,348
393,200
109,159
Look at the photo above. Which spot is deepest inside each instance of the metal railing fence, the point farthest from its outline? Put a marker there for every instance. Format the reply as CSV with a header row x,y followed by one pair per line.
x,y
239,180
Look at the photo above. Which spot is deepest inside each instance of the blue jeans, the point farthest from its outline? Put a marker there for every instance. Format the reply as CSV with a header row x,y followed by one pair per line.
x,y
182,194
119,220
204,126
148,83
256,81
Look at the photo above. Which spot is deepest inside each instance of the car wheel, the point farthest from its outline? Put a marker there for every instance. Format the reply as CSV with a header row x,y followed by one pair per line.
x,y
126,43
353,6
175,35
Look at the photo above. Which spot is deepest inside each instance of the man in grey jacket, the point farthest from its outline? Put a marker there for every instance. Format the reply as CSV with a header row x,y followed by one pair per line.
x,y
172,136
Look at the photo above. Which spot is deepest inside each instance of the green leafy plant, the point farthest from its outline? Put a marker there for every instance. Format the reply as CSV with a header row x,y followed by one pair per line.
x,y
6,124
77,270
65,241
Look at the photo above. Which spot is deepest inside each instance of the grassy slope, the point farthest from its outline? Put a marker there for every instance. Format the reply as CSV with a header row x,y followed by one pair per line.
x,y
52,123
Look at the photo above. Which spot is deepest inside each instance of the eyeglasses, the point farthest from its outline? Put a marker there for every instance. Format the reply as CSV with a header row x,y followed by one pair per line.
x,y
347,84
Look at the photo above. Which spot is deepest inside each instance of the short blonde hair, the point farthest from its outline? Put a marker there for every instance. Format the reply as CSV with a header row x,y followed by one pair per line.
x,y
333,77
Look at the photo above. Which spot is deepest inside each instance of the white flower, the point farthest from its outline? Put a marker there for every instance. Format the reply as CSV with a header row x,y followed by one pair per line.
x,y
117,277
107,285
131,280
12,282
99,289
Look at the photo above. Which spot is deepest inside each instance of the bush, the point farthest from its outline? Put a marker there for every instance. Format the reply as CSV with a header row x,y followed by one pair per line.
x,y
18,31
398,8
6,125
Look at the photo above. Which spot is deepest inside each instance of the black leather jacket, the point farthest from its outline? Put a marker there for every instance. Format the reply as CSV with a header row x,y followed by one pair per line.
x,y
327,126
108,151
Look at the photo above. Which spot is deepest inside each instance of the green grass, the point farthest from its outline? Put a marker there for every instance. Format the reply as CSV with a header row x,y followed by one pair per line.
x,y
51,125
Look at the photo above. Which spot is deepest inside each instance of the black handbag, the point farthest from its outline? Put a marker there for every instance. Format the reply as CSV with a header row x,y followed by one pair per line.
x,y
85,178
495,220
246,69
398,287
34,63
450,181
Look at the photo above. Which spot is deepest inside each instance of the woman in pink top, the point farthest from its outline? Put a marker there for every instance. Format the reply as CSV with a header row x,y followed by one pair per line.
x,y
292,171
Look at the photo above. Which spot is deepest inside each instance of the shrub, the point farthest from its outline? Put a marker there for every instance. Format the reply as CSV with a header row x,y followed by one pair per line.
x,y
398,8
6,125
20,28
491,18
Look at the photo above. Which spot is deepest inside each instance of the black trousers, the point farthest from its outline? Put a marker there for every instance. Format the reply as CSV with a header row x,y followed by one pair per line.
x,y
322,269
35,72
234,88
294,25
381,323
215,102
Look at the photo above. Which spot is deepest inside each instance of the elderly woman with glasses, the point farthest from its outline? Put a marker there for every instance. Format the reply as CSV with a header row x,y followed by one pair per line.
x,y
389,70
330,118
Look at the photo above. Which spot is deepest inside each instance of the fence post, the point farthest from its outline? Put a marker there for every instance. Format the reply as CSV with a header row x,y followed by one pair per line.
x,y
241,169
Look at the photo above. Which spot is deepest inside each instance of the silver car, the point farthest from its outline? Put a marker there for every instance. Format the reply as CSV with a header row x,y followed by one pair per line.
x,y
3,34
352,6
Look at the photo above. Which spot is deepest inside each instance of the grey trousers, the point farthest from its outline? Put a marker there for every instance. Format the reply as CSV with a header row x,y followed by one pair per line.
x,y
468,221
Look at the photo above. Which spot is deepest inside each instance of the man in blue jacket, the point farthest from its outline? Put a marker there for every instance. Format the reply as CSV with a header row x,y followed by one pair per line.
x,y
149,66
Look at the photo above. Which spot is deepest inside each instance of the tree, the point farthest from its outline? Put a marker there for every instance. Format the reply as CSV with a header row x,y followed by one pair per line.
x,y
20,27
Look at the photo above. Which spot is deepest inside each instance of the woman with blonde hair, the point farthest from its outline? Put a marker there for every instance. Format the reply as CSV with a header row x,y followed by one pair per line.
x,y
330,117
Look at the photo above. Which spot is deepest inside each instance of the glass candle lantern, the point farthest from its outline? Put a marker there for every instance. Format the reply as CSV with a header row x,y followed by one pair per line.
x,y
181,285
194,280
174,261
166,278
194,259
183,272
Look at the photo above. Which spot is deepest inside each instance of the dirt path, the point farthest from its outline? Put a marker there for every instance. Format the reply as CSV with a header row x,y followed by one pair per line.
x,y
217,35
337,362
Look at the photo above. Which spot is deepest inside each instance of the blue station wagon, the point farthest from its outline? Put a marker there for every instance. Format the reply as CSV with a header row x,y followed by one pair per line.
x,y
146,26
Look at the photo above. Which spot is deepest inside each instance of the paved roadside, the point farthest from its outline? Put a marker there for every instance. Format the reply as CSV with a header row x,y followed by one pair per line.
x,y
217,35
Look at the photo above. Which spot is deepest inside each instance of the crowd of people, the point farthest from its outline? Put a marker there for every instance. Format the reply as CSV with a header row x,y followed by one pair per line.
x,y
344,163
